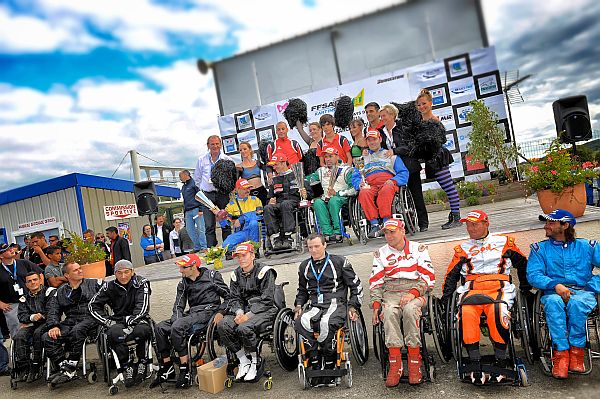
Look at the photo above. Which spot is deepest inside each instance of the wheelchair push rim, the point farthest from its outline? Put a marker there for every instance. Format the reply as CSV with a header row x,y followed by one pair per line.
x,y
285,340
439,331
359,340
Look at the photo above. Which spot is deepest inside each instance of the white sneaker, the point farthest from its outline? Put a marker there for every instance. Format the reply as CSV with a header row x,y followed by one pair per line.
x,y
251,374
242,370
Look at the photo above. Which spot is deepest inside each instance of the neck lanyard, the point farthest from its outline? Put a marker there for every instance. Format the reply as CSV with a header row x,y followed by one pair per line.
x,y
13,275
318,277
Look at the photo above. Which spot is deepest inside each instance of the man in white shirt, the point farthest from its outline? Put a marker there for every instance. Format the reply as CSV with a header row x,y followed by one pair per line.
x,y
203,181
162,231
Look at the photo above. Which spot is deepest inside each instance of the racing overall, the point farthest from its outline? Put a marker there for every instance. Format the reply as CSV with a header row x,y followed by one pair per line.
x,y
244,210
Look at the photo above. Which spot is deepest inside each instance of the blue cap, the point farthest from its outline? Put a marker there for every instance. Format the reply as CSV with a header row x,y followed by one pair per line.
x,y
559,215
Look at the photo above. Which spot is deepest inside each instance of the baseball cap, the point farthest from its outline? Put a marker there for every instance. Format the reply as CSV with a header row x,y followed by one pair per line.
x,y
559,215
243,248
277,158
4,248
331,150
189,260
475,216
372,133
393,224
242,183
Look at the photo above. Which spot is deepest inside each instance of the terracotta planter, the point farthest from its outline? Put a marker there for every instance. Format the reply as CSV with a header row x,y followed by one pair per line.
x,y
572,199
94,270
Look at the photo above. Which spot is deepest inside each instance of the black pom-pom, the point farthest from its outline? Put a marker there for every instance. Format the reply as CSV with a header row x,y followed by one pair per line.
x,y
224,176
429,136
344,112
310,161
262,151
295,112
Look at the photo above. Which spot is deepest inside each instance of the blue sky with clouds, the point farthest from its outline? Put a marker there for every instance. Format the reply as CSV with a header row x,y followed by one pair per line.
x,y
82,82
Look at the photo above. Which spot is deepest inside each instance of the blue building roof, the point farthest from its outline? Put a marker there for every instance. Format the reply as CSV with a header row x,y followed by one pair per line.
x,y
77,180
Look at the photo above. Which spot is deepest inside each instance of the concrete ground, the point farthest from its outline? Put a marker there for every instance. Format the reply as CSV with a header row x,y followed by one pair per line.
x,y
515,215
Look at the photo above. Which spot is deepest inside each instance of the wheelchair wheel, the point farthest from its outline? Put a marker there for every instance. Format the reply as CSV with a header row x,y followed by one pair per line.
x,y
376,348
359,340
439,330
521,325
454,328
379,335
542,334
285,340
408,210
356,215
213,342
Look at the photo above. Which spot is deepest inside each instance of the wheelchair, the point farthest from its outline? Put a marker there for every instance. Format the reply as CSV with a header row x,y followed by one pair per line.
x,y
110,362
354,333
280,336
544,342
301,218
14,381
89,370
403,207
429,324
516,372
345,221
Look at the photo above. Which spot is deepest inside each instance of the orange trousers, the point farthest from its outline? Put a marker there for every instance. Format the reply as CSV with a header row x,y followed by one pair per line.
x,y
497,321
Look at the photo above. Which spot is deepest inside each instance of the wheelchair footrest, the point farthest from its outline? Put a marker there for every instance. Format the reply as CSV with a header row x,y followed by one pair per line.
x,y
510,374
326,373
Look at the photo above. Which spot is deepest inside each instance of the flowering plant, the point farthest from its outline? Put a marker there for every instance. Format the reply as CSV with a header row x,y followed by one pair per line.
x,y
215,255
558,169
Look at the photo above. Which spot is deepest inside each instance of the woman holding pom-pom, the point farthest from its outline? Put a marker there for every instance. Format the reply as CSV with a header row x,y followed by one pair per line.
x,y
438,167
252,170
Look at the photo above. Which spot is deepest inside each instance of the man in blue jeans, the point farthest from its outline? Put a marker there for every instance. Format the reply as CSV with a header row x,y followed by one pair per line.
x,y
194,220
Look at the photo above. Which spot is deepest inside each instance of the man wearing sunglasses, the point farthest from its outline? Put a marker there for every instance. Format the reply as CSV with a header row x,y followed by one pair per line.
x,y
200,291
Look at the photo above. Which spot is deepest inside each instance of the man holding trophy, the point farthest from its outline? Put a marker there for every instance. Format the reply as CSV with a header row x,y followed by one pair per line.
x,y
284,197
336,180
378,182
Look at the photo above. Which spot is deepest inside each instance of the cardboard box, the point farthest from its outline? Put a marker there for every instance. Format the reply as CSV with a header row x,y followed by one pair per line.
x,y
211,379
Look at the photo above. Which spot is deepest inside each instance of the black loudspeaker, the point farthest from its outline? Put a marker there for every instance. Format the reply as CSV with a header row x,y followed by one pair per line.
x,y
572,119
145,197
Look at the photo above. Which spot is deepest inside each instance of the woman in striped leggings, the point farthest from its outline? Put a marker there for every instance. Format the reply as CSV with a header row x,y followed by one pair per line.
x,y
438,167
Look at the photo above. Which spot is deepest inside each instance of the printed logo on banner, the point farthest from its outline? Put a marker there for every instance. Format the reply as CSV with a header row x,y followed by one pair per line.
x,y
440,97
462,135
460,114
262,116
359,100
446,116
462,90
458,67
488,84
432,73
282,107
451,142
266,133
230,145
244,121
473,168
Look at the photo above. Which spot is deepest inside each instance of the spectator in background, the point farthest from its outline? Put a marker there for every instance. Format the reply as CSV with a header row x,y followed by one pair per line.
x,y
360,142
39,243
54,240
372,111
119,248
27,251
332,139
17,250
161,230
53,271
194,220
202,177
152,246
98,241
179,240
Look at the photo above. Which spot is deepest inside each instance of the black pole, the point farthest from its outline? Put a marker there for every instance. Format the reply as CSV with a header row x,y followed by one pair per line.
x,y
332,35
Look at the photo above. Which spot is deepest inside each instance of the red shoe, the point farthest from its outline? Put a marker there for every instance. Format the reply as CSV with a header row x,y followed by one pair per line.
x,y
560,364
576,359
395,372
414,366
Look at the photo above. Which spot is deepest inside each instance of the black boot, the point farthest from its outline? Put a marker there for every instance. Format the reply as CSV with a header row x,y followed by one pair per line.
x,y
185,378
35,372
453,221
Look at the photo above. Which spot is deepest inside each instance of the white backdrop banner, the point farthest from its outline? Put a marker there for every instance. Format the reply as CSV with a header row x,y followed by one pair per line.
x,y
453,82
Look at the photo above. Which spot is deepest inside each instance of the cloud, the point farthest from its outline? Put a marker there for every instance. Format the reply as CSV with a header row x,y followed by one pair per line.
x,y
26,34
18,104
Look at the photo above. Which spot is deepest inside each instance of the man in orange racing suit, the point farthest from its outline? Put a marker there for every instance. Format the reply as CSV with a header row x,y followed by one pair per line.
x,y
482,264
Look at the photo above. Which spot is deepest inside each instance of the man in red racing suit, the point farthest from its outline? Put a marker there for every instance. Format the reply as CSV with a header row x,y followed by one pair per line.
x,y
482,264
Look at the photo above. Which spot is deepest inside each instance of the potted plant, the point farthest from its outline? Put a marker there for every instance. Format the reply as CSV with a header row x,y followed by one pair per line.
x,y
559,180
90,256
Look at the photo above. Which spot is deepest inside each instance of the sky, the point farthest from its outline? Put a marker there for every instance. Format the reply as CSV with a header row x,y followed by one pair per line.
x,y
83,82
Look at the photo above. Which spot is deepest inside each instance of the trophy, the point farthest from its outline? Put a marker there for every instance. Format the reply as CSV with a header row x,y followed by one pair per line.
x,y
334,172
298,170
204,200
360,165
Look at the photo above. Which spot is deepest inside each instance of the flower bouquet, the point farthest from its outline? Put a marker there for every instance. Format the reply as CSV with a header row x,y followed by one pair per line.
x,y
215,256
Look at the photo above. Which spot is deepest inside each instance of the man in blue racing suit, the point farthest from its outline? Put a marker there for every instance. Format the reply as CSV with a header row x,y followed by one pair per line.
x,y
562,268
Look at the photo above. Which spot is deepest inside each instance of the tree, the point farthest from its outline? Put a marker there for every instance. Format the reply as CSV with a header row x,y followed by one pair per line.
x,y
487,139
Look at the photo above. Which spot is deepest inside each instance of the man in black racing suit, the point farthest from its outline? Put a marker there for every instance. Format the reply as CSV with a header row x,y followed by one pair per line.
x,y
251,310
